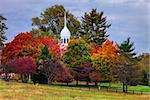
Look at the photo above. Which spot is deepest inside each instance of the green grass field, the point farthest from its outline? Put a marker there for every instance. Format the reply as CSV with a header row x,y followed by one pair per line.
x,y
21,91
114,86
137,88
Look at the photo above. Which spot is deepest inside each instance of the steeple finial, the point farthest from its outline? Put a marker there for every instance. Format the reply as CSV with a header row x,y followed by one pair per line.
x,y
65,20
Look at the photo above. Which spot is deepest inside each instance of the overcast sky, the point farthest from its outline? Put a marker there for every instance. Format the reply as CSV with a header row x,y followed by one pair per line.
x,y
128,17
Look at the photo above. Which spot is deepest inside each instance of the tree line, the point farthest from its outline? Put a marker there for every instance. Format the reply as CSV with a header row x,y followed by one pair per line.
x,y
89,56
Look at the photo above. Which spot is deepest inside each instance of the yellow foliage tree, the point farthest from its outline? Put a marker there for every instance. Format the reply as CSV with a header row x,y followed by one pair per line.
x,y
104,58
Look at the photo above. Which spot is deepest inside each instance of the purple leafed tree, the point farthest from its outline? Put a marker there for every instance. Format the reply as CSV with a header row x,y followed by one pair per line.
x,y
25,67
54,71
63,75
86,72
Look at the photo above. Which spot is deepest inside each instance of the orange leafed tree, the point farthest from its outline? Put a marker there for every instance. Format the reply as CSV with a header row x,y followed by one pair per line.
x,y
108,49
104,59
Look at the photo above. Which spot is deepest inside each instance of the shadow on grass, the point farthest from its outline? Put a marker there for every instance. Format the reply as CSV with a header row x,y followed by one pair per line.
x,y
80,86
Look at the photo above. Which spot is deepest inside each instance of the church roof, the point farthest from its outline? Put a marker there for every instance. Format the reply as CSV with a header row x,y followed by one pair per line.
x,y
65,31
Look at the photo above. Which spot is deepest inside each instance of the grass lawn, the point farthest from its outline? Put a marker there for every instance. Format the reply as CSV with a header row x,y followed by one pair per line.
x,y
21,91
114,86
137,88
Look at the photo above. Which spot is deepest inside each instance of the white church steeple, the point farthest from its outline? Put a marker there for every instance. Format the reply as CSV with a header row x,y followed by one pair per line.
x,y
65,33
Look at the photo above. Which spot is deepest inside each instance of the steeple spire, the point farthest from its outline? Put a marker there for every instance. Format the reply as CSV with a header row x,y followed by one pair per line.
x,y
65,20
65,33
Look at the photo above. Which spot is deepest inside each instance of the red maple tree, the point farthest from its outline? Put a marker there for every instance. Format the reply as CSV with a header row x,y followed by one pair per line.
x,y
23,45
56,48
26,45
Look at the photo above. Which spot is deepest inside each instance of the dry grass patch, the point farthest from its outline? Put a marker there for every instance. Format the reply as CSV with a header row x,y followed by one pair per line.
x,y
20,91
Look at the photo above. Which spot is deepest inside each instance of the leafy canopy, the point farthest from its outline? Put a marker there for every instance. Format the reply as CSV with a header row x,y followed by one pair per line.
x,y
55,48
26,45
23,45
24,65
104,59
52,21
77,53
108,49
44,54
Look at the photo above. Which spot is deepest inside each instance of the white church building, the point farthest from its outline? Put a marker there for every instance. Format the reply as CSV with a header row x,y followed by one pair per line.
x,y
65,33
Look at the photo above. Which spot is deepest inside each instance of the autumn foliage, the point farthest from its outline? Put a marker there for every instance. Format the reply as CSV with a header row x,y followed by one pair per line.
x,y
63,75
54,47
23,45
54,71
85,72
26,45
104,59
88,56
108,49
77,53
21,66
24,65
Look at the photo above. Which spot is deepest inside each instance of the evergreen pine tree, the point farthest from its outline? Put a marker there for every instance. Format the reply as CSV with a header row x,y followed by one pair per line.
x,y
128,47
127,71
44,54
93,27
2,30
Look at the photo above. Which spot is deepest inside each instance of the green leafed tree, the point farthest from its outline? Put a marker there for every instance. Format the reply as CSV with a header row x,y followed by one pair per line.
x,y
44,54
127,70
105,66
52,21
3,27
144,65
94,26
77,53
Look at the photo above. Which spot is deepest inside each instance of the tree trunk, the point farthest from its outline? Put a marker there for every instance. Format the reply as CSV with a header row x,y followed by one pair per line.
x,y
123,87
77,82
126,88
49,81
95,83
109,85
87,83
21,77
25,78
29,80
6,75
